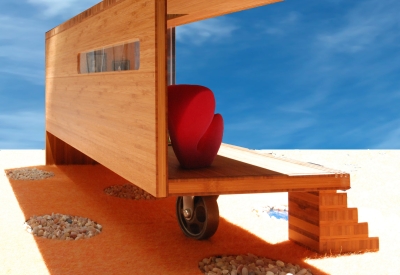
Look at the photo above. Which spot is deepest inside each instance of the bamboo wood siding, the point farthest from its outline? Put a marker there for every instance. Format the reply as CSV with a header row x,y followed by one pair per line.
x,y
115,118
179,12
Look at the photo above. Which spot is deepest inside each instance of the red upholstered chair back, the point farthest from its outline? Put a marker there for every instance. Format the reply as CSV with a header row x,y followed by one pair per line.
x,y
195,131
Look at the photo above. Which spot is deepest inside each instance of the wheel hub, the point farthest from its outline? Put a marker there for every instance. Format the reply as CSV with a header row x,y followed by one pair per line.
x,y
187,213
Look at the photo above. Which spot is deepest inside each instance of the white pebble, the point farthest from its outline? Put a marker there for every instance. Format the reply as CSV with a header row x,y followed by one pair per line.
x,y
280,263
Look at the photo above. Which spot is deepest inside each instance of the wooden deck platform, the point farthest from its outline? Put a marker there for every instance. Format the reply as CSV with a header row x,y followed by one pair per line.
x,y
238,170
319,218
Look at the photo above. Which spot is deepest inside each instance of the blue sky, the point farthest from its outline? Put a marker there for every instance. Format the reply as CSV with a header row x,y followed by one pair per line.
x,y
292,75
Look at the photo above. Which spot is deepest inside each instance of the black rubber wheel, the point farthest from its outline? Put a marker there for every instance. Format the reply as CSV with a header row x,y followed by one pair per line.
x,y
204,221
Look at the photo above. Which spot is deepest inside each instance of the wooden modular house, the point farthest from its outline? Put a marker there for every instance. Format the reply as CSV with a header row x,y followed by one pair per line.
x,y
107,71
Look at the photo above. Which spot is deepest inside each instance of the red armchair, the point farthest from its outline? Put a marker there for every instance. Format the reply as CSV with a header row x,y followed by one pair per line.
x,y
195,131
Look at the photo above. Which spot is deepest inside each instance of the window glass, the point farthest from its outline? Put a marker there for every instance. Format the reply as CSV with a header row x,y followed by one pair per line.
x,y
120,57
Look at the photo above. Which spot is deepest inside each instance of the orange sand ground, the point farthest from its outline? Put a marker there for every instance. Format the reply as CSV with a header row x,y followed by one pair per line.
x,y
143,237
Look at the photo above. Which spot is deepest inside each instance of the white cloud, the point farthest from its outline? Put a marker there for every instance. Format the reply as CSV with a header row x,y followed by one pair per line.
x,y
22,55
353,52
35,76
65,8
295,109
15,29
375,134
22,130
281,26
211,30
275,133
351,39
315,96
388,134
365,25
22,48
391,140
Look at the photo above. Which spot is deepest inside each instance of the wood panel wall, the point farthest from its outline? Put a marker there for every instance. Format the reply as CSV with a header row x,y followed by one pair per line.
x,y
117,119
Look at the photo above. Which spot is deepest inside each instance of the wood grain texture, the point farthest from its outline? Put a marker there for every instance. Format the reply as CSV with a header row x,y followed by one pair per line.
x,y
322,222
303,240
60,153
103,5
116,118
179,11
161,98
197,10
237,170
353,244
283,165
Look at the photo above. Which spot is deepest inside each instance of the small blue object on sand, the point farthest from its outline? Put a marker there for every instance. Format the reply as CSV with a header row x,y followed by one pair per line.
x,y
278,214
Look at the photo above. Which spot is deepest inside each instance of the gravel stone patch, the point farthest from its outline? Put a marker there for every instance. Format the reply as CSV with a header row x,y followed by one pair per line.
x,y
62,227
28,174
128,191
248,265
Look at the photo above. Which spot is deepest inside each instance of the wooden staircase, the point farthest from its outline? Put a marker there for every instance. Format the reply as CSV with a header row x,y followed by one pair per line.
x,y
321,221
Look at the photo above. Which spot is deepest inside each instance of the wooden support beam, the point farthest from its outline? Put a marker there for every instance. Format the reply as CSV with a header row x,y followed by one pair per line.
x,y
189,11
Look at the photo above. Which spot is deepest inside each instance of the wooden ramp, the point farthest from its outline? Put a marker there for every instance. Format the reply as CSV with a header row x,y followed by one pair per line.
x,y
318,216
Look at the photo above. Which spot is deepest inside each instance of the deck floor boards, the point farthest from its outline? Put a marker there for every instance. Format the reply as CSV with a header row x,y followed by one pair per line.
x,y
239,170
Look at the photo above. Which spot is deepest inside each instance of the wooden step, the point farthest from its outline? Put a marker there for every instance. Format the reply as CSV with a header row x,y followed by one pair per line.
x,y
344,230
325,199
338,215
353,244
335,230
334,200
335,245
321,221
